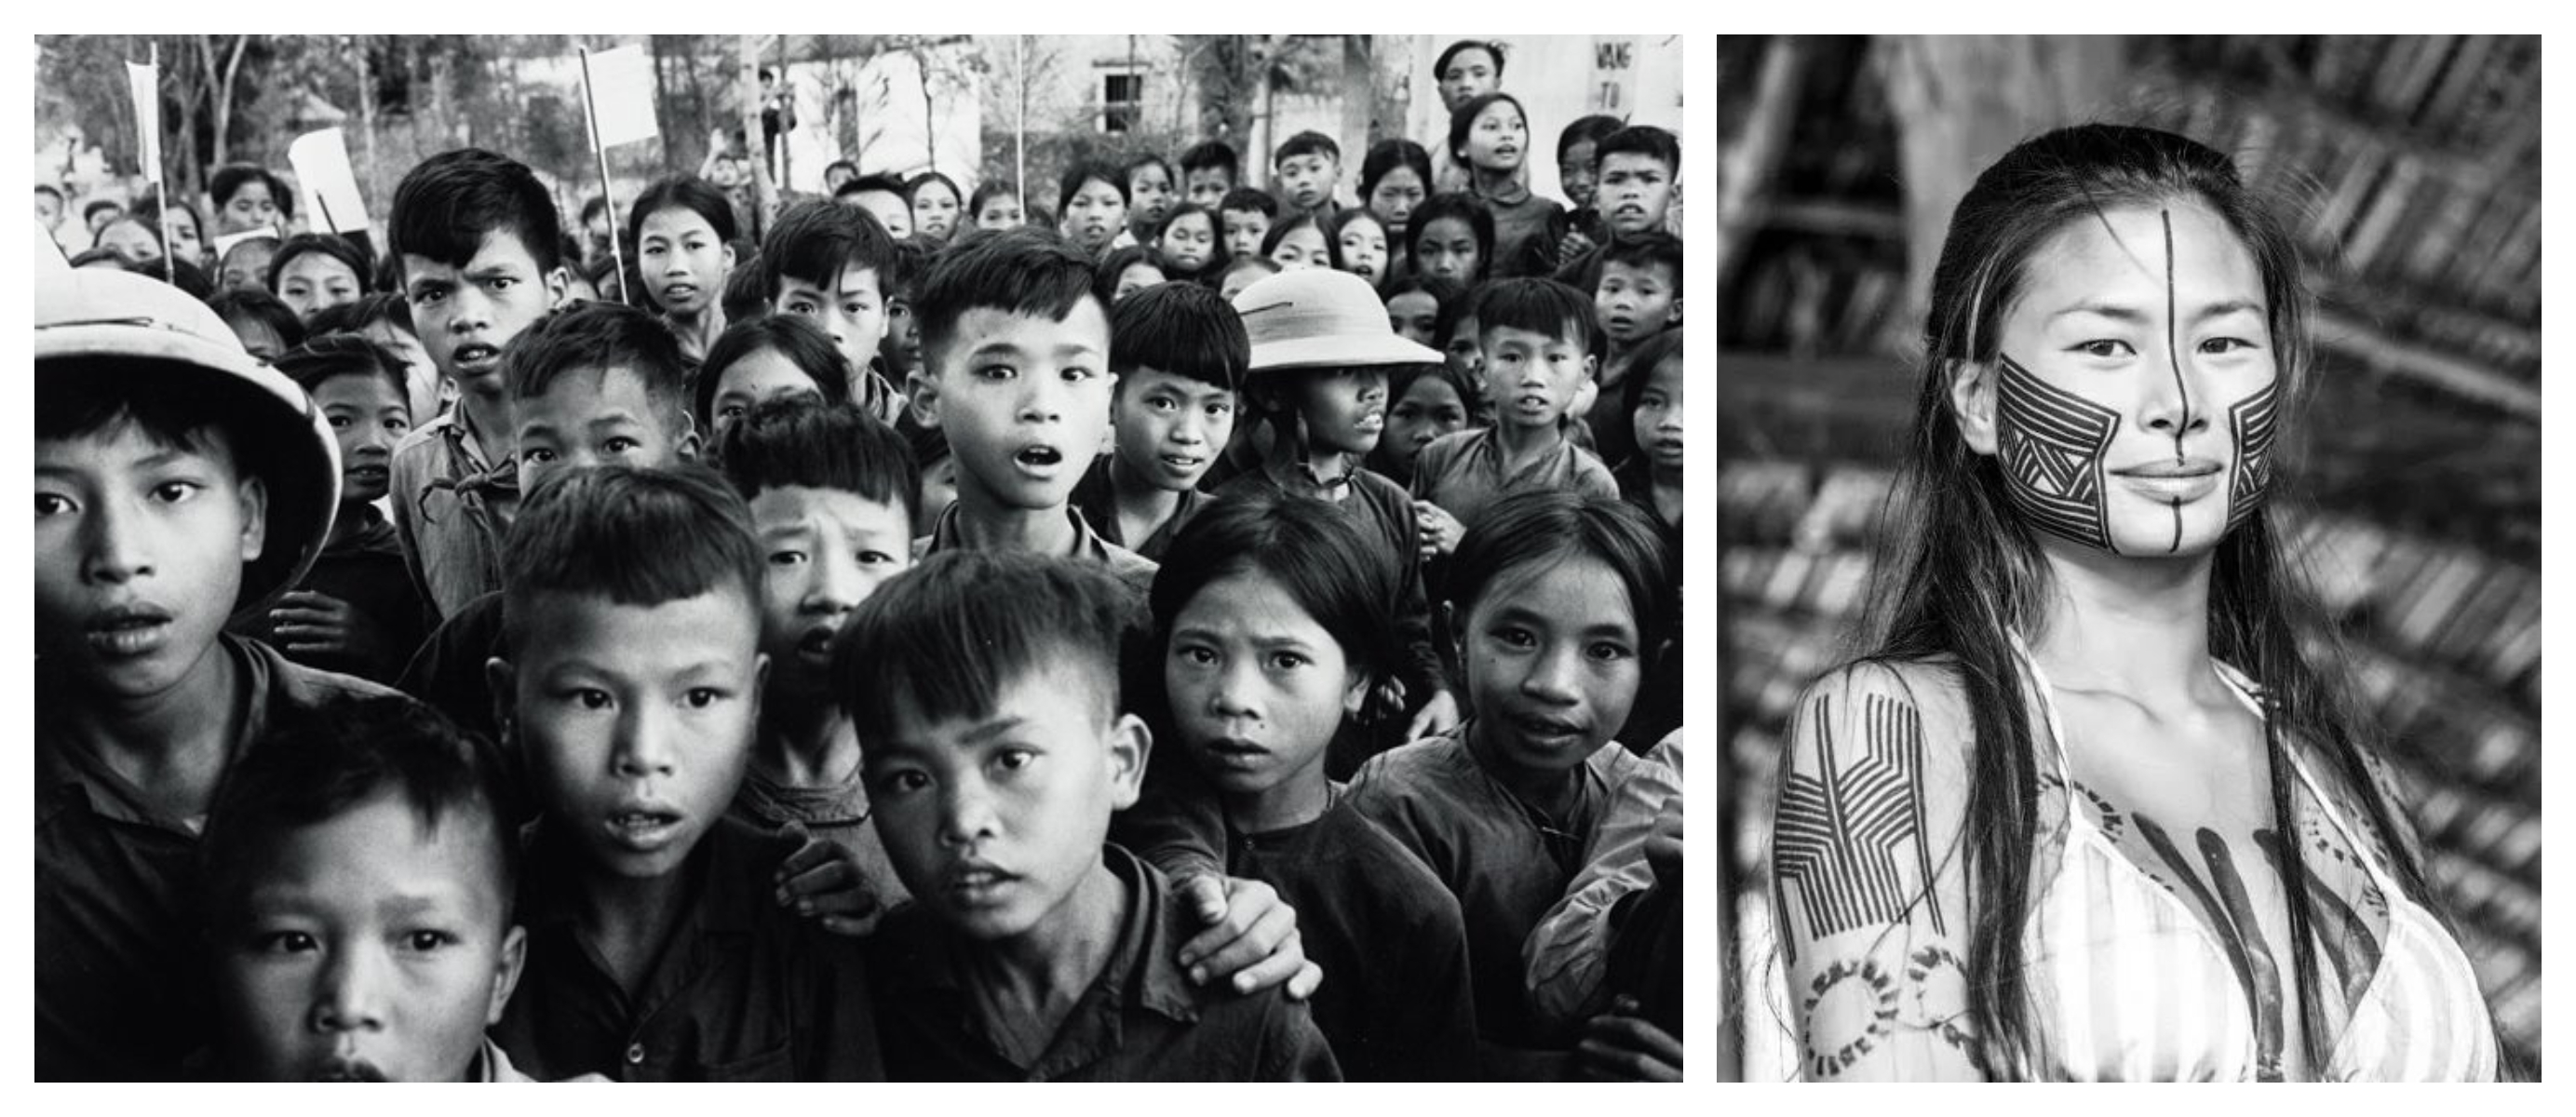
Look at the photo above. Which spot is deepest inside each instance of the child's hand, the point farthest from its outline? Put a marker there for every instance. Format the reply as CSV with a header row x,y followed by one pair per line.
x,y
1618,1047
1437,716
1575,244
1664,844
821,879
1440,530
1251,938
309,623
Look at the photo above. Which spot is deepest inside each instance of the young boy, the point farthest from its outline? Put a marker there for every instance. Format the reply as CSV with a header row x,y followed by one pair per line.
x,y
1320,346
1537,337
595,384
1018,375
1309,168
632,675
479,239
882,196
1209,171
1639,297
177,483
900,352
1178,351
1245,214
359,869
1632,189
832,495
986,686
356,612
828,263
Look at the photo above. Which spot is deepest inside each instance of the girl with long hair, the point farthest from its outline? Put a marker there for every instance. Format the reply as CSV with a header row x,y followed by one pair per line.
x,y
2094,805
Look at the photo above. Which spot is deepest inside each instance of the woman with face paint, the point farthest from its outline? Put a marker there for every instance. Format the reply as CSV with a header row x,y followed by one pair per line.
x,y
2094,805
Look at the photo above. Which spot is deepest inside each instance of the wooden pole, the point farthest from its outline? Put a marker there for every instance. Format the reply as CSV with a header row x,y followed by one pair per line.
x,y
161,184
1020,132
607,195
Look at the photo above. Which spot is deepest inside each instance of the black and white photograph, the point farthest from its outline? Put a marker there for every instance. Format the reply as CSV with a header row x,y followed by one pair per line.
x,y
999,557
2130,505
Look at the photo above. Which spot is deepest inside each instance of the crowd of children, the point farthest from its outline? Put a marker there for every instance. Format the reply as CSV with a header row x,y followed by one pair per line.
x,y
448,670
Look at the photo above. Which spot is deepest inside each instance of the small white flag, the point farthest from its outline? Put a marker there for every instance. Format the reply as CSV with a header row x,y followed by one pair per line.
x,y
145,78
330,184
621,95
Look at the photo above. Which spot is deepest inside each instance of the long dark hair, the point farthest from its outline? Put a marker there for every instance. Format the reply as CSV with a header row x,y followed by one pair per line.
x,y
1960,572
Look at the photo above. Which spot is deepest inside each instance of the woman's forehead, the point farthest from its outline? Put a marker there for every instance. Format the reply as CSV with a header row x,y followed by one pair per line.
x,y
2140,257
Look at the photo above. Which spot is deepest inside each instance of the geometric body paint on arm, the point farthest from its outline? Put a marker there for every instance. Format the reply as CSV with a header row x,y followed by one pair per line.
x,y
2052,443
1839,833
2249,423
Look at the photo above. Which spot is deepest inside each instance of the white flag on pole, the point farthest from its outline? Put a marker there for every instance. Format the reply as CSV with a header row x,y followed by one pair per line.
x,y
621,96
321,161
145,78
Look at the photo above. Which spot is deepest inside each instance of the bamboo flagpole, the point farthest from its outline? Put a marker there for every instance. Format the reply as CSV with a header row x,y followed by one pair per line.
x,y
1020,131
145,83
607,193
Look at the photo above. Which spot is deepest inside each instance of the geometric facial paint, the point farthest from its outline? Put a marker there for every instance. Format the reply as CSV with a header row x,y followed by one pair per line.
x,y
2249,423
2173,356
2052,444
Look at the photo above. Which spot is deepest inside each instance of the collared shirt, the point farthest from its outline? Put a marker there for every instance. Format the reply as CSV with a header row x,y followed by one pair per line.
x,y
1567,955
1134,569
1395,1003
1095,497
1504,861
1140,1021
742,989
120,974
1464,473
451,505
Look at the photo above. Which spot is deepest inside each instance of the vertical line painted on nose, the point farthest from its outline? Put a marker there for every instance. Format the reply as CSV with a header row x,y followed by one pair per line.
x,y
2173,357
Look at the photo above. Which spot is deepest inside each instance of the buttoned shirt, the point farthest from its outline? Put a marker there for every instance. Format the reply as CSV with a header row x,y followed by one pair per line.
x,y
743,990
120,973
450,507
1140,1021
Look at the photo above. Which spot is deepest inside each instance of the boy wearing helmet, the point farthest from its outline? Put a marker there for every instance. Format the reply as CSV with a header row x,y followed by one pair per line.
x,y
179,484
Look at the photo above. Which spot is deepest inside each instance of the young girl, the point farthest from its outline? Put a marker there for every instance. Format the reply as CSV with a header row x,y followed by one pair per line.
x,y
762,359
1578,174
1394,179
1451,236
1092,206
934,199
249,197
1430,401
265,326
1151,192
1299,241
356,612
1413,305
1555,595
1187,241
1127,271
2093,806
1240,272
1359,244
1270,627
317,271
996,205
682,229
1489,135
1650,401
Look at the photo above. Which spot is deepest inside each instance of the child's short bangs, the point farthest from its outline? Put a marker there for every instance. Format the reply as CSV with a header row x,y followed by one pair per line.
x,y
945,640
